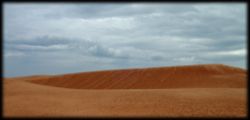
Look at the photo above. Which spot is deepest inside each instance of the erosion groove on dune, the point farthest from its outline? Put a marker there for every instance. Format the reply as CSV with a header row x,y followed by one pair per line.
x,y
195,76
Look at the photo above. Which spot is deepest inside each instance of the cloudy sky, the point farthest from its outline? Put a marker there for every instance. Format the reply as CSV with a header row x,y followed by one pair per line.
x,y
67,38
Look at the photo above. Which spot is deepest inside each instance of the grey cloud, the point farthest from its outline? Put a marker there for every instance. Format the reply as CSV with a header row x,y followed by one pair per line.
x,y
49,44
223,59
157,58
100,51
77,37
41,41
38,44
93,11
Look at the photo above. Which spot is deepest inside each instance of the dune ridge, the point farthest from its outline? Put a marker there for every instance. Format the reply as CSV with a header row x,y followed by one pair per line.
x,y
192,76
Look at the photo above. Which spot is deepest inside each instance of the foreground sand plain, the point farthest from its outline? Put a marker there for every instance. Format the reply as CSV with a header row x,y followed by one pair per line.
x,y
30,97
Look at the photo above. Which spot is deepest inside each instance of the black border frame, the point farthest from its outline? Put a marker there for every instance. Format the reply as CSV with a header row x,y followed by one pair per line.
x,y
118,1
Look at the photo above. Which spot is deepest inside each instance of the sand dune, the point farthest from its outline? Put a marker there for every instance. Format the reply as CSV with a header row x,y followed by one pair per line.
x,y
198,76
183,91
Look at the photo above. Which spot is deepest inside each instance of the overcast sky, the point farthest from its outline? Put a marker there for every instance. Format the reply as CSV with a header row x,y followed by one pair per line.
x,y
68,38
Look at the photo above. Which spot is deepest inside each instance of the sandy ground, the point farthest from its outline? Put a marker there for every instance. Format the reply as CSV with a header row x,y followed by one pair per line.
x,y
24,98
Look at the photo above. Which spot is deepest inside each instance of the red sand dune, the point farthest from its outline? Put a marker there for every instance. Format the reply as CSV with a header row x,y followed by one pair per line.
x,y
199,76
184,91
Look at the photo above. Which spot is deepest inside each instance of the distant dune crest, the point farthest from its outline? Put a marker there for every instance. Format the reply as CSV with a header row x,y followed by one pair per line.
x,y
193,76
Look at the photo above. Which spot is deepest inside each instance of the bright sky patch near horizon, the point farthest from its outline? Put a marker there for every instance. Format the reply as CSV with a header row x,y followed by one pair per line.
x,y
67,38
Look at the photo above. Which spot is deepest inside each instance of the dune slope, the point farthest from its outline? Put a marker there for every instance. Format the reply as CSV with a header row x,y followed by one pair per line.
x,y
183,91
199,76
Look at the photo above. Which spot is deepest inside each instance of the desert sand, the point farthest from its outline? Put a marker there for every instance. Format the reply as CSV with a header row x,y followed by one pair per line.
x,y
210,90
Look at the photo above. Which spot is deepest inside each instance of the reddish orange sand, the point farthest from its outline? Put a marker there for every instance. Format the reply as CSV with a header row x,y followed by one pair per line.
x,y
185,91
